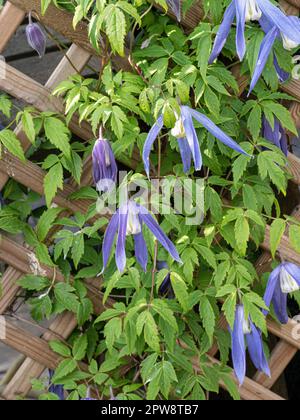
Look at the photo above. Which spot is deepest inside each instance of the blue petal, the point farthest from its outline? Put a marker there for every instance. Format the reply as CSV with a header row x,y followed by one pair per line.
x,y
238,345
283,76
191,137
109,238
240,6
256,350
152,136
264,53
121,242
223,32
175,6
159,234
284,23
280,304
273,281
141,251
186,155
276,136
217,132
293,270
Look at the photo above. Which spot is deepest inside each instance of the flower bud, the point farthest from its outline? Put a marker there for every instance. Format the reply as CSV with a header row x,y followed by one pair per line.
x,y
105,168
36,37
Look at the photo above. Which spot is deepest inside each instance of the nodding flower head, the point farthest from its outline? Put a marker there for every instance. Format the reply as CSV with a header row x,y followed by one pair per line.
x,y
129,220
283,280
253,10
245,329
36,37
186,135
276,136
105,170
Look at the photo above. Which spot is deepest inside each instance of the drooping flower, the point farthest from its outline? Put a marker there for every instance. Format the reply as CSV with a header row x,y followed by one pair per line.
x,y
56,389
105,170
188,142
244,328
127,221
252,10
283,280
277,136
272,33
36,37
165,288
175,6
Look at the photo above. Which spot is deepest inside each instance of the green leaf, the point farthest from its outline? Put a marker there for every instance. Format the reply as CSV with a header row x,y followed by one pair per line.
x,y
242,234
80,347
84,311
276,233
294,235
206,253
77,248
162,309
58,134
64,368
52,181
46,221
180,290
254,121
130,10
208,317
5,106
228,308
12,143
28,126
116,28
239,167
112,331
64,293
44,5
31,282
60,348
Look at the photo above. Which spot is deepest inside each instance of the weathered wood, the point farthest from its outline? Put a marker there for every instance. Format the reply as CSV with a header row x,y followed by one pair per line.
x,y
10,19
20,384
280,358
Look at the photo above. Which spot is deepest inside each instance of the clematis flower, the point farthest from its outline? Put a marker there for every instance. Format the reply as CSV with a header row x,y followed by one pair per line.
x,y
166,288
253,10
277,136
36,37
188,142
272,33
105,170
127,221
175,6
283,280
244,328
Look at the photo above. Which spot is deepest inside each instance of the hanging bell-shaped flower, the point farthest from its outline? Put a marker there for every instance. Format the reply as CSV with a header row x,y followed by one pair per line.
x,y
36,37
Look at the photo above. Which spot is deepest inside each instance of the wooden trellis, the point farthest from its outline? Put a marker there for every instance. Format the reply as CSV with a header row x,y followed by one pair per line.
x,y
19,258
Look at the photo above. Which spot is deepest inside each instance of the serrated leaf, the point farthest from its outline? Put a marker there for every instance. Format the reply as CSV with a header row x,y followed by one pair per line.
x,y
80,347
12,143
276,233
58,134
52,182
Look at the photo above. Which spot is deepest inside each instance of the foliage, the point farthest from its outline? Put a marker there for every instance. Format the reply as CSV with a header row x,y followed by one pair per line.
x,y
145,345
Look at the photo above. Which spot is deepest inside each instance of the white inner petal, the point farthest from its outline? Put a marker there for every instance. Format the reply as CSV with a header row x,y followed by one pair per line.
x,y
287,283
134,226
288,44
246,327
253,12
178,131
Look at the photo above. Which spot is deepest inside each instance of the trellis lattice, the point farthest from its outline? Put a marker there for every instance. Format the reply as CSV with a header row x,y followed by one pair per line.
x,y
37,354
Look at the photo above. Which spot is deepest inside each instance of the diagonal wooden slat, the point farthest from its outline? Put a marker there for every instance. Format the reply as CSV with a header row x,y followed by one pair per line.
x,y
10,19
